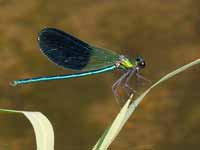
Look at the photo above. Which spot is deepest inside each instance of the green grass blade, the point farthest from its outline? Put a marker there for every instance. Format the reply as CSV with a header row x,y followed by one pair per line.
x,y
109,133
128,109
42,128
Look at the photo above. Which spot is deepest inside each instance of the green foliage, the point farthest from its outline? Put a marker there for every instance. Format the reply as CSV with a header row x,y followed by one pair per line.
x,y
42,127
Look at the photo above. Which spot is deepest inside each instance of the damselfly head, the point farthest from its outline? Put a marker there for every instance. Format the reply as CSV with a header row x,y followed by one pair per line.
x,y
140,62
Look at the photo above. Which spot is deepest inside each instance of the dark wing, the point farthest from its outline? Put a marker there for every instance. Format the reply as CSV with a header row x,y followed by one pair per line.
x,y
69,52
64,49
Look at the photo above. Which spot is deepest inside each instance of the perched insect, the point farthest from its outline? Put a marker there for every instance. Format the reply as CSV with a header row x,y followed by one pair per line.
x,y
69,52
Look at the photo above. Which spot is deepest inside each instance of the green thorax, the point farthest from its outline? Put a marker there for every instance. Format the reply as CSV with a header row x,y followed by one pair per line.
x,y
126,63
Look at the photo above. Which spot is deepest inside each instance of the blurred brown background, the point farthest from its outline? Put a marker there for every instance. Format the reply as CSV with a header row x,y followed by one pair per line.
x,y
166,33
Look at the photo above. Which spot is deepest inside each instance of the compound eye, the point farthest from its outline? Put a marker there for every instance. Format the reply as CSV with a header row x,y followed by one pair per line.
x,y
142,64
138,59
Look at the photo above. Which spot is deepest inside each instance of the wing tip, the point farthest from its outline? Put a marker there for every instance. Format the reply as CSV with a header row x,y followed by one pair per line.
x,y
46,29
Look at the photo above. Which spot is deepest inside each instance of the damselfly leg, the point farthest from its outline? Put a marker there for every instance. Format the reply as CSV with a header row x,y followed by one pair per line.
x,y
129,90
141,78
117,84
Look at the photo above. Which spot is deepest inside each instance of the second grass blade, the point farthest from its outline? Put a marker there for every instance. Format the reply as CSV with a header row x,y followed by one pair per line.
x,y
110,134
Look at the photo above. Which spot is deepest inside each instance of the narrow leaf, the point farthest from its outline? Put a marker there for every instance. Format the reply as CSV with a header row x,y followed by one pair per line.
x,y
42,128
128,109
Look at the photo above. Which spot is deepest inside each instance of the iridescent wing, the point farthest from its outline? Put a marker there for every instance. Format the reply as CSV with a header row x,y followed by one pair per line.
x,y
69,52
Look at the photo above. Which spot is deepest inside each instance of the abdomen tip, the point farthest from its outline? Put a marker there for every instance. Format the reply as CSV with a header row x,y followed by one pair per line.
x,y
13,83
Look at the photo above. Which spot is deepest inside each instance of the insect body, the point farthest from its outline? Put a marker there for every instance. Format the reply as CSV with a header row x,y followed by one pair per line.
x,y
69,52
